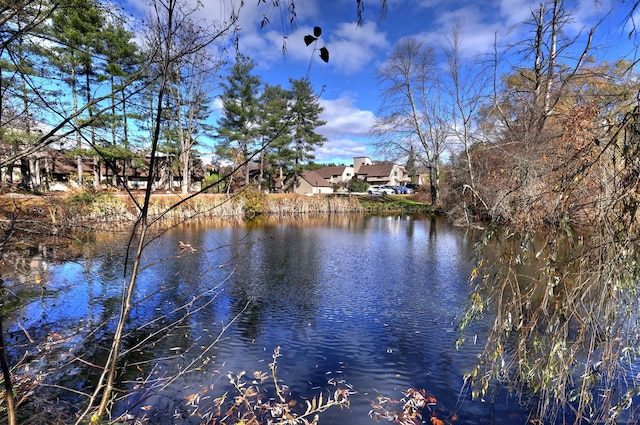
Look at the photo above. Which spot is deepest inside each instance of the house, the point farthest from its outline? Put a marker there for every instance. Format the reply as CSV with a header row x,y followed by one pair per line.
x,y
311,182
420,177
134,172
337,174
383,173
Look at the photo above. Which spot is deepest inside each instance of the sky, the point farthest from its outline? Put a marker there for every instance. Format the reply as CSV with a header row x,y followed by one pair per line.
x,y
350,94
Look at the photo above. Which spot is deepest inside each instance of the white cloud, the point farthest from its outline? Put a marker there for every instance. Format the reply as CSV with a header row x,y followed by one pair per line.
x,y
347,129
344,119
477,37
341,151
514,12
265,43
353,48
482,20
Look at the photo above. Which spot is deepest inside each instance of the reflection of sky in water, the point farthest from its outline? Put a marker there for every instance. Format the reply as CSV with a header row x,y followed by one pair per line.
x,y
76,292
367,299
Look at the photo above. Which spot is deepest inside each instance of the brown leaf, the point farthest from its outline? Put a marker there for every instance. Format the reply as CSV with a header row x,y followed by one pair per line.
x,y
436,421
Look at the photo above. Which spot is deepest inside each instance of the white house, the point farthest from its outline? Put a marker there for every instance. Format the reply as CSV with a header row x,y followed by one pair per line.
x,y
311,182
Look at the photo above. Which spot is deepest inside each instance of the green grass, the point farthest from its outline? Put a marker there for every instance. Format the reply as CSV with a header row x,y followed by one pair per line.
x,y
404,204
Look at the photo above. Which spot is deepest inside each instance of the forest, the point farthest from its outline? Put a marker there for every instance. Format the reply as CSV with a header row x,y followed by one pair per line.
x,y
542,153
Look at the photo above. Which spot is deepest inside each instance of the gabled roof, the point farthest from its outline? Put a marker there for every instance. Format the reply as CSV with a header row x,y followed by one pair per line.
x,y
382,169
328,172
315,179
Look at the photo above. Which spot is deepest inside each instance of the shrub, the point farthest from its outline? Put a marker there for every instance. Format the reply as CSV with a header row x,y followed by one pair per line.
x,y
210,180
357,185
254,201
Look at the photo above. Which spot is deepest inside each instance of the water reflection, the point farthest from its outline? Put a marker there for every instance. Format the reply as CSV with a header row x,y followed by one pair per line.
x,y
368,299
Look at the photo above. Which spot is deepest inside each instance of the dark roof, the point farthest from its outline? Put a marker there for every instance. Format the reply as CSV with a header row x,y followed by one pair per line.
x,y
63,163
328,172
382,169
315,179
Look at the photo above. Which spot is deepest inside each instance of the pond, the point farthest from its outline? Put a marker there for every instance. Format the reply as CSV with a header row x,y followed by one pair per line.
x,y
367,302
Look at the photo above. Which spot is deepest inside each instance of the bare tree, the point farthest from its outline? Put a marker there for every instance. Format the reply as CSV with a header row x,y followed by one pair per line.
x,y
466,91
192,80
412,114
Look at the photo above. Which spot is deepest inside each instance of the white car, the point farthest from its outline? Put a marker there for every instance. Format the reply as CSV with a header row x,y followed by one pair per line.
x,y
380,190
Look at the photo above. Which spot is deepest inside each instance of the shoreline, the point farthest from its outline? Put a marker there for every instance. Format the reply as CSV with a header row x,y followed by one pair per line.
x,y
111,207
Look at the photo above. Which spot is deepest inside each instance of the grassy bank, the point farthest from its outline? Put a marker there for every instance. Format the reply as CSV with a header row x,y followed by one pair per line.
x,y
405,204
111,208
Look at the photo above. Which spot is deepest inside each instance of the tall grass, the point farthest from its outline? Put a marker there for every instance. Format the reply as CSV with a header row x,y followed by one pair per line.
x,y
55,213
117,208
298,204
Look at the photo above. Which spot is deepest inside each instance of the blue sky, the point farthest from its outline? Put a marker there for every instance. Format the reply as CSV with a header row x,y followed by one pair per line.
x,y
351,96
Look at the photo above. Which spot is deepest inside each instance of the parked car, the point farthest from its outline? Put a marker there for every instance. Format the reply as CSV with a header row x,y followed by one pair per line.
x,y
389,190
404,190
380,190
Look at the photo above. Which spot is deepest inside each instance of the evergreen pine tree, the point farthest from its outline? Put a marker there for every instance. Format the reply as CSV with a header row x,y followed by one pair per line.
x,y
238,127
76,26
275,134
305,119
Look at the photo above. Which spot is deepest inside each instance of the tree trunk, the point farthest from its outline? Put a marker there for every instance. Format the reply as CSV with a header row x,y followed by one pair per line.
x,y
97,172
433,183
186,172
246,168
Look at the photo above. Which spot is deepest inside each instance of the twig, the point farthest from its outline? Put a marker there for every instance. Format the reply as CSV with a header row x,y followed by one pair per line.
x,y
25,332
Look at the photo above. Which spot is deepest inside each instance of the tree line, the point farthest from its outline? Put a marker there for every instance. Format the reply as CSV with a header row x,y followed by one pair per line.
x,y
81,75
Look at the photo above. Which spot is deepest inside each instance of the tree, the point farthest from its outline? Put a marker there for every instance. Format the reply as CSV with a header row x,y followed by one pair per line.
x,y
122,58
558,266
240,114
192,79
305,119
160,37
412,116
31,13
275,139
357,185
22,95
75,26
465,86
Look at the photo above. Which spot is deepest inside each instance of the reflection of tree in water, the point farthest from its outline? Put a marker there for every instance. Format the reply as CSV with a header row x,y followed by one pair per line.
x,y
279,271
69,309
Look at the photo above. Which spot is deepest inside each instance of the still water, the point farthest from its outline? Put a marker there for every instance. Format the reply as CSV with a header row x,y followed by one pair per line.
x,y
367,301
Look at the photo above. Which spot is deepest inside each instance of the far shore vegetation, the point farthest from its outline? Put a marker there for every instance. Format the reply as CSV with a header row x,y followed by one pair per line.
x,y
106,209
